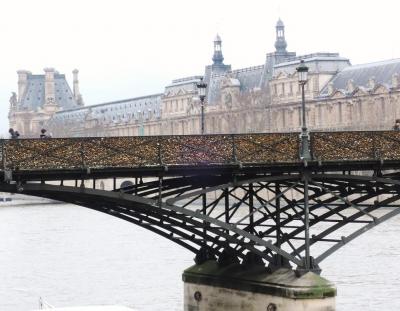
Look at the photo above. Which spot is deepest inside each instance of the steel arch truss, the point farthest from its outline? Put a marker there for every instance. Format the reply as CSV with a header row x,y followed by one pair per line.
x,y
245,217
268,212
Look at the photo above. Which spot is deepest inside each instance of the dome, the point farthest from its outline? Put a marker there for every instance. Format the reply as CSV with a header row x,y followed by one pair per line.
x,y
217,38
279,23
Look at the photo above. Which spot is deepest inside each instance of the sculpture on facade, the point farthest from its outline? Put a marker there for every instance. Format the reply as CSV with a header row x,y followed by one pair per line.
x,y
13,100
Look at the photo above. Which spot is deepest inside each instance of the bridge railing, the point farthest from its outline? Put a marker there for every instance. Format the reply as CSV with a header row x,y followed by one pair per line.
x,y
100,152
270,148
355,145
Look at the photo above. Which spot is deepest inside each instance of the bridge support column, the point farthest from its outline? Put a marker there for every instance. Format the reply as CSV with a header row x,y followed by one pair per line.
x,y
210,287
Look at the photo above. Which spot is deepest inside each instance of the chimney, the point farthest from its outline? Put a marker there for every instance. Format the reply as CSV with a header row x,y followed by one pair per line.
x,y
22,82
77,94
371,82
49,92
330,88
350,86
395,81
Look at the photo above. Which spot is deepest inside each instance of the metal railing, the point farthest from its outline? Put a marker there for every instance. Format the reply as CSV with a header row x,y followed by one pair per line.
x,y
100,152
355,145
269,148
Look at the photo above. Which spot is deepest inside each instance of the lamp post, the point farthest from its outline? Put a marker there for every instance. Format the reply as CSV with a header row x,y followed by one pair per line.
x,y
201,90
302,71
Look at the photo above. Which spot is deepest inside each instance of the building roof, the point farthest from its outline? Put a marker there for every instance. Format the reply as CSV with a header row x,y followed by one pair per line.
x,y
382,72
249,78
121,111
316,62
34,96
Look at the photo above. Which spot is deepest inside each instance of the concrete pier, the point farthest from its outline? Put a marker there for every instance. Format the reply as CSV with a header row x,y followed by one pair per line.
x,y
210,287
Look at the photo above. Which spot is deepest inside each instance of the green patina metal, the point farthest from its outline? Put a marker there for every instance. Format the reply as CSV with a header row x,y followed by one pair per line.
x,y
258,279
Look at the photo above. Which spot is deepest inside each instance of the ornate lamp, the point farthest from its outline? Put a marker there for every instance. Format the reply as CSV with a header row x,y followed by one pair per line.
x,y
302,72
201,91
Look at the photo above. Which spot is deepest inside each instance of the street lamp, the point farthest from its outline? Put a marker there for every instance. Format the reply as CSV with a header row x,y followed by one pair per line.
x,y
302,72
201,91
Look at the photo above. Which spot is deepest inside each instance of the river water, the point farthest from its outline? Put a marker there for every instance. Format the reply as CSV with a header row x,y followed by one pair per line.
x,y
70,256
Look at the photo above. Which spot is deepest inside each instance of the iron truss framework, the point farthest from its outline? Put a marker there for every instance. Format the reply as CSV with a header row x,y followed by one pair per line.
x,y
247,198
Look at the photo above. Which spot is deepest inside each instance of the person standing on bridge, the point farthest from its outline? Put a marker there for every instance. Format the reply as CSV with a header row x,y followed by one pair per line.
x,y
13,134
396,126
43,134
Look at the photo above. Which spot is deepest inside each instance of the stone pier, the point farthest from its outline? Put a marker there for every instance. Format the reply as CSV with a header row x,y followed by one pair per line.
x,y
210,287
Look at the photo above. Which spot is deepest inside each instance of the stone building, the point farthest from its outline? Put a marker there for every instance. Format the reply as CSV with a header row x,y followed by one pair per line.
x,y
39,99
263,98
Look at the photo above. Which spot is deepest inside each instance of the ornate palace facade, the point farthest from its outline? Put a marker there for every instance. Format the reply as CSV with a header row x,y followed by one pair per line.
x,y
264,98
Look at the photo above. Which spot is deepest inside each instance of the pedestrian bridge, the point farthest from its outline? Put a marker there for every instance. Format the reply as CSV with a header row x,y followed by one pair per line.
x,y
233,197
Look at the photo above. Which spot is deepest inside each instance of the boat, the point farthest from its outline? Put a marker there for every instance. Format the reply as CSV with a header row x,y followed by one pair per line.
x,y
44,305
12,199
91,308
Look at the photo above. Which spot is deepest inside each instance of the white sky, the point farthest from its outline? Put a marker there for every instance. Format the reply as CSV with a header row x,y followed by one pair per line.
x,y
129,48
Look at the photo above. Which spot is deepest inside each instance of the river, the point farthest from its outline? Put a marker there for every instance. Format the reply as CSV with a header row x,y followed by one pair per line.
x,y
70,255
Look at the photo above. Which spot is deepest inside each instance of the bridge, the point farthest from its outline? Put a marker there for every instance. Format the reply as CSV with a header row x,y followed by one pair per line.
x,y
235,198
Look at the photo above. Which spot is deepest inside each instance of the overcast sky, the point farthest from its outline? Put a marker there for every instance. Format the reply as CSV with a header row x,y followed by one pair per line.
x,y
129,48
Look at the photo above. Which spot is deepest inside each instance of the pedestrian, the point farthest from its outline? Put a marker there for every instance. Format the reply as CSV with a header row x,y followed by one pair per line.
x,y
13,134
43,133
396,126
